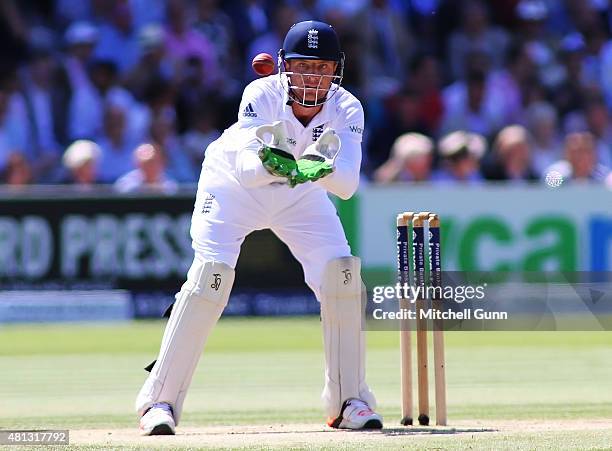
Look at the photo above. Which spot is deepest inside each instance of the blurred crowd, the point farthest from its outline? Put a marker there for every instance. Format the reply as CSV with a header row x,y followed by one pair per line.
x,y
131,92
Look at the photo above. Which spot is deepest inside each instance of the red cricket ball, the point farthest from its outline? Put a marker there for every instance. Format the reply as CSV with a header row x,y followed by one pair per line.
x,y
263,64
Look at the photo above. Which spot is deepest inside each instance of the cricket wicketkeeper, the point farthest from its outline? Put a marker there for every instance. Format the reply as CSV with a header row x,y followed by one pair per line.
x,y
298,137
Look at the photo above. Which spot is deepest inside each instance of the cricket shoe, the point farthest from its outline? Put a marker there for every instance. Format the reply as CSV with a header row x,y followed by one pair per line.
x,y
157,420
356,414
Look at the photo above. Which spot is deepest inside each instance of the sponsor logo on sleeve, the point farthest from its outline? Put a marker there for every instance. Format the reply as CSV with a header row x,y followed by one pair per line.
x,y
208,203
356,129
249,111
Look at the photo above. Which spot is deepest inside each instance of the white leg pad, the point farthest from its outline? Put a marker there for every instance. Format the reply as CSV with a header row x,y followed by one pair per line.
x,y
198,307
342,297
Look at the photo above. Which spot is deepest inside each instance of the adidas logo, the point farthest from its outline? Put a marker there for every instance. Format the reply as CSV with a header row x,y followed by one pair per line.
x,y
249,111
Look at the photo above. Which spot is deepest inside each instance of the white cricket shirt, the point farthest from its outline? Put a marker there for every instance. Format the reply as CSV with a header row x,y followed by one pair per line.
x,y
264,101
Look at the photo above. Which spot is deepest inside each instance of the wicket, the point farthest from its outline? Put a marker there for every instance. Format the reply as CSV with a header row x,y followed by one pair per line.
x,y
418,221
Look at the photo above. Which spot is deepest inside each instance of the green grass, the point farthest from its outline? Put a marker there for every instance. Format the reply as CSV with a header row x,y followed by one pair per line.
x,y
271,370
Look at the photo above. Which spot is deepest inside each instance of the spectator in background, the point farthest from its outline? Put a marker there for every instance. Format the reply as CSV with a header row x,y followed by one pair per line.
x,y
71,74
353,77
191,93
42,102
163,134
476,35
16,119
542,124
539,45
467,106
81,39
69,11
116,157
81,160
50,105
410,161
216,26
92,11
117,39
460,153
605,73
5,141
403,116
249,20
425,23
608,181
271,41
580,163
424,80
201,133
309,10
13,32
595,38
511,156
87,105
147,12
152,63
12,121
386,45
567,96
582,15
510,85
182,42
18,171
159,97
598,121
149,174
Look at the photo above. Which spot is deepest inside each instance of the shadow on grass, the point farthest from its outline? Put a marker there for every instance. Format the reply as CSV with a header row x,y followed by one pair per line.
x,y
426,430
390,432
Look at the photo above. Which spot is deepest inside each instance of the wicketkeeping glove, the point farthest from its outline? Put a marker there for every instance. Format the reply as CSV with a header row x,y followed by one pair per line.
x,y
274,155
318,159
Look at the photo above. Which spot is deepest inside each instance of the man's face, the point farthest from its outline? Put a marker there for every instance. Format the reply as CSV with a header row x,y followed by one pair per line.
x,y
311,79
86,173
419,167
463,167
581,155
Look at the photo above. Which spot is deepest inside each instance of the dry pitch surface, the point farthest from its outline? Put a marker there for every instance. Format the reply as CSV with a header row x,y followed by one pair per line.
x,y
485,434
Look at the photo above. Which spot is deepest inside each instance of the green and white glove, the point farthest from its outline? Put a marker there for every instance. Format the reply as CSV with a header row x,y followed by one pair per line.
x,y
318,159
275,155
310,169
278,162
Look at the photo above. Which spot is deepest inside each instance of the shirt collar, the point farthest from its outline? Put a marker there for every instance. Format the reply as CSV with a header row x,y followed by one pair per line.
x,y
323,116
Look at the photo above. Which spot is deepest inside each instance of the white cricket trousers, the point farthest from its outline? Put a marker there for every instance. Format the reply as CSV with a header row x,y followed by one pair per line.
x,y
304,218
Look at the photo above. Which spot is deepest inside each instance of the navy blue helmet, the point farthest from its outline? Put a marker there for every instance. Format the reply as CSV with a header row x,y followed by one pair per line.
x,y
311,40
